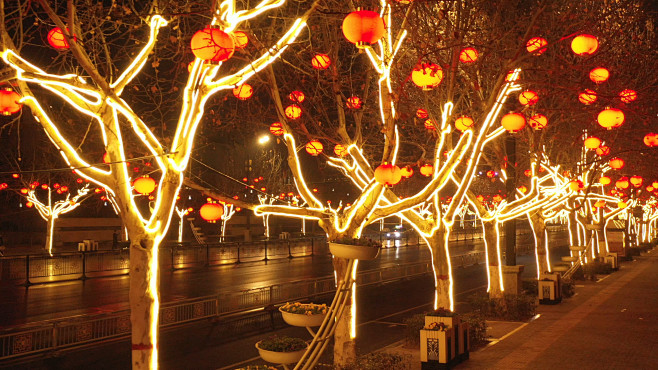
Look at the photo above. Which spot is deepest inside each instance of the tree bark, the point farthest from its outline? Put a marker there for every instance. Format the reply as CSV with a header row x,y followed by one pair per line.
x,y
440,263
344,344
49,234
492,245
541,242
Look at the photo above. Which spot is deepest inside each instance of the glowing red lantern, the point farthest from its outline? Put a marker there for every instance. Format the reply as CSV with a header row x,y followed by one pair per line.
x,y
24,191
616,163
536,45
463,123
363,27
610,118
15,175
528,98
211,212
144,185
426,170
584,44
57,40
491,174
655,184
599,75
243,92
427,76
622,183
592,142
296,96
353,102
513,122
340,150
293,111
44,186
627,95
422,113
212,44
497,198
603,150
406,172
314,148
240,39
64,189
538,121
528,173
429,124
588,97
576,185
636,181
522,189
106,158
388,174
321,61
29,204
468,55
9,102
276,129
651,139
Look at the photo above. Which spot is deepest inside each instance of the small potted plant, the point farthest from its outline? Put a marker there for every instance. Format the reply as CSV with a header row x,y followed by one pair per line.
x,y
355,248
303,314
281,349
258,367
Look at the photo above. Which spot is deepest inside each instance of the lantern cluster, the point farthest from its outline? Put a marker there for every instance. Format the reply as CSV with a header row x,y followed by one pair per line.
x,y
388,174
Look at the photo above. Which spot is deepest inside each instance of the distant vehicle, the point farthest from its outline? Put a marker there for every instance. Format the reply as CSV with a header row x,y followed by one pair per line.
x,y
397,233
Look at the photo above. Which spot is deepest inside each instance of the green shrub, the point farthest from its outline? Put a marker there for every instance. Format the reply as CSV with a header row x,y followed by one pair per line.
x,y
478,327
512,307
413,326
379,361
282,344
568,288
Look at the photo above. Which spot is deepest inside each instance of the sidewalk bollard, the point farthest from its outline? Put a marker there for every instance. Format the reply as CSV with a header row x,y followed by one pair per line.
x,y
27,271
84,266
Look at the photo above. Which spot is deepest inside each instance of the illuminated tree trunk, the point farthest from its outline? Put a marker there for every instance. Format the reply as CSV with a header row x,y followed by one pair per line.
x,y
50,233
541,242
438,244
344,343
492,245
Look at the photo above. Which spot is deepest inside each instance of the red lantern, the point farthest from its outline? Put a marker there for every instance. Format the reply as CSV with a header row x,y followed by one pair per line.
x,y
406,172
651,139
212,44
64,189
655,184
616,163
427,76
637,181
610,118
9,102
240,39
429,124
576,185
293,111
24,191
599,75
353,102
211,212
528,173
321,61
57,40
627,95
584,44
468,55
622,183
363,27
522,189
276,129
513,122
538,121
243,92
422,113
588,97
528,98
497,198
340,150
536,45
29,204
388,174
314,148
296,96
491,174
426,170
463,123
603,150
144,185
592,142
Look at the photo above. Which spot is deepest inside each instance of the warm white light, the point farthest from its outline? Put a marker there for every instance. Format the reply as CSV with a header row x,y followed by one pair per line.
x,y
263,139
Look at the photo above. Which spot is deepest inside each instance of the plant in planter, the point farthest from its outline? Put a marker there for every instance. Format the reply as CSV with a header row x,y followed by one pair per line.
x,y
258,367
303,314
355,248
281,349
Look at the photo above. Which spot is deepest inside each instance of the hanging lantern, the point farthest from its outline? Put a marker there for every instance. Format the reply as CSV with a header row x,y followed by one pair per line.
x,y
622,204
427,76
24,191
610,118
276,129
144,185
243,92
293,111
603,150
363,27
522,189
463,123
636,181
406,172
599,75
649,188
340,150
388,174
497,198
468,55
576,185
353,102
622,183
528,98
212,44
587,97
240,39
527,173
651,140
429,124
513,122
211,212
491,174
584,44
616,163
422,113
655,184
592,142
57,40
321,61
314,148
538,121
296,96
426,170
536,45
9,102
628,95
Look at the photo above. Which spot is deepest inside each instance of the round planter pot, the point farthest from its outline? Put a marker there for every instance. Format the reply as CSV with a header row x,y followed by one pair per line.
x,y
280,357
298,319
356,252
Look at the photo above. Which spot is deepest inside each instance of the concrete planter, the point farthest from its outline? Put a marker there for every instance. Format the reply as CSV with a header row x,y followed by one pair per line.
x,y
303,320
356,252
437,348
280,357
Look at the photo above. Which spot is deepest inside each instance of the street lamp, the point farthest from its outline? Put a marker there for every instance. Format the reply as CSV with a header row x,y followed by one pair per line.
x,y
263,139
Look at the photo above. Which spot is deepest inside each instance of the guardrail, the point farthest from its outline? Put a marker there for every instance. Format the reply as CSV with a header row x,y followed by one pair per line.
x,y
65,333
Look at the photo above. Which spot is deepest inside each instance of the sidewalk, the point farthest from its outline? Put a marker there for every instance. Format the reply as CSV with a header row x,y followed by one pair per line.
x,y
608,324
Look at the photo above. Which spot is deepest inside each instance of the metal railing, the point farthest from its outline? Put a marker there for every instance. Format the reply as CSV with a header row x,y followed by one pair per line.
x,y
64,333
